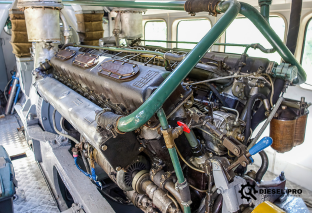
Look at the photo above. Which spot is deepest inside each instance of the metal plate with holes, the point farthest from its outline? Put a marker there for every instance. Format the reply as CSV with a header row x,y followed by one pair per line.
x,y
118,70
86,60
65,54
33,195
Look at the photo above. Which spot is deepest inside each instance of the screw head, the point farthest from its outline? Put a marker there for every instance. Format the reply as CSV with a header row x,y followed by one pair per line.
x,y
141,149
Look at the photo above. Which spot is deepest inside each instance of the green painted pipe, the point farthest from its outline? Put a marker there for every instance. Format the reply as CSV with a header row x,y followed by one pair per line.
x,y
162,119
173,153
263,26
175,5
265,8
265,12
191,139
140,116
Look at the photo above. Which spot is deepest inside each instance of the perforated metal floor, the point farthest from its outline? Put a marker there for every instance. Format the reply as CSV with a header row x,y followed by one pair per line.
x,y
33,195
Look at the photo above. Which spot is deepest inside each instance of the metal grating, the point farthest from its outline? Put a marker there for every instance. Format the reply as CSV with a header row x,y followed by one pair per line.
x,y
33,194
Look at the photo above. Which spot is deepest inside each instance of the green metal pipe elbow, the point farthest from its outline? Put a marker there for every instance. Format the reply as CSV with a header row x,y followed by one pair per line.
x,y
157,99
263,26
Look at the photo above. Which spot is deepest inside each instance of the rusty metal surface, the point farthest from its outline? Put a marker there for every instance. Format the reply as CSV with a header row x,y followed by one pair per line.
x,y
300,129
282,132
118,70
65,54
85,60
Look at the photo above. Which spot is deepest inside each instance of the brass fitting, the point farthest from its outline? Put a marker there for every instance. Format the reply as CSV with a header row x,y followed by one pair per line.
x,y
167,133
170,135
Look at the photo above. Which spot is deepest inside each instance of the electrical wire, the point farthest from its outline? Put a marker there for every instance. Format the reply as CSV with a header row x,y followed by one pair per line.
x,y
189,165
62,134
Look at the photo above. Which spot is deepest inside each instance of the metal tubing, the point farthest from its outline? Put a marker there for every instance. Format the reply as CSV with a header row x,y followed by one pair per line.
x,y
156,100
264,126
175,5
173,154
265,12
191,139
12,95
162,119
263,26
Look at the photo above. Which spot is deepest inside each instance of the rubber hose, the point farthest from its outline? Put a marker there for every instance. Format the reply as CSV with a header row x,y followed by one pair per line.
x,y
259,115
264,166
216,92
294,25
250,105
217,206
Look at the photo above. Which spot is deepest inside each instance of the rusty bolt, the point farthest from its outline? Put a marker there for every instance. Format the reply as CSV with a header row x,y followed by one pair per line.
x,y
118,168
104,147
141,149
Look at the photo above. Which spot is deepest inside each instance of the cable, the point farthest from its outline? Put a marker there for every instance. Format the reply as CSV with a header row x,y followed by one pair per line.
x,y
192,167
62,134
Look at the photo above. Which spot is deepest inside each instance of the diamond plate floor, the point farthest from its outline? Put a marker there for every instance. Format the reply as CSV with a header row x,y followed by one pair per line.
x,y
33,195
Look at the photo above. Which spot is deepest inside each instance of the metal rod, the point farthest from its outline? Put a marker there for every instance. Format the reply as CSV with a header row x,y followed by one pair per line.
x,y
233,110
12,95
264,126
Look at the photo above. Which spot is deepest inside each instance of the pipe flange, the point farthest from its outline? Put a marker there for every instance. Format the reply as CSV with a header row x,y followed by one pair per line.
x,y
137,180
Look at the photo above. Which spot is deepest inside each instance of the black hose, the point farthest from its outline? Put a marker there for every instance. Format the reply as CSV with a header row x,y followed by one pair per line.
x,y
216,92
217,206
259,116
264,166
294,25
250,105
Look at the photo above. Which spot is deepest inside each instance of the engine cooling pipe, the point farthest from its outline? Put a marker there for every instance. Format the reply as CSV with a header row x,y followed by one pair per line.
x,y
294,25
231,9
183,186
156,100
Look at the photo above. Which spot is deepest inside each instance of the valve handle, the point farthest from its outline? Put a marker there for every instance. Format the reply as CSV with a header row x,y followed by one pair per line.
x,y
261,145
184,126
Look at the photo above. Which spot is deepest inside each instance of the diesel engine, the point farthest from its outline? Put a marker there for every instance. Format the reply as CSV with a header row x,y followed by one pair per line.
x,y
164,129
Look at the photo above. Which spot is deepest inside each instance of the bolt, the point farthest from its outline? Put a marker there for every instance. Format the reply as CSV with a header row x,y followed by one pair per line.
x,y
118,168
219,191
236,151
181,96
141,149
104,147
189,102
